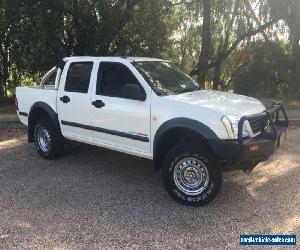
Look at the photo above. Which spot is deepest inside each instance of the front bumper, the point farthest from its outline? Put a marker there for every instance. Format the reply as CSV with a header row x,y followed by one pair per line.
x,y
254,149
257,148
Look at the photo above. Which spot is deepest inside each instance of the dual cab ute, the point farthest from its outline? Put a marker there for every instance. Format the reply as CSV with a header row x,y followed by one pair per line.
x,y
149,108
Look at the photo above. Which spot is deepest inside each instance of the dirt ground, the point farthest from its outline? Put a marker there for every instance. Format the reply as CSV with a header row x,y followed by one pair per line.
x,y
93,198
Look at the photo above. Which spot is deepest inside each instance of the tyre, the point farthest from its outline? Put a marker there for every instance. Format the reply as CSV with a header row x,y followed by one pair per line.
x,y
191,174
48,141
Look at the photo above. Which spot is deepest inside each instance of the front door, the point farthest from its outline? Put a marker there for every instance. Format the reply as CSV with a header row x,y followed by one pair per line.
x,y
73,101
119,121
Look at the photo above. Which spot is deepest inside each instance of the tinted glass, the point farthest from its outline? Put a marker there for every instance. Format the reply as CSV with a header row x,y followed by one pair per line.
x,y
78,78
112,77
165,78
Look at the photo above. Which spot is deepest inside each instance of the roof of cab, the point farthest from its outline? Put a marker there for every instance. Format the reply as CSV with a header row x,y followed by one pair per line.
x,y
131,59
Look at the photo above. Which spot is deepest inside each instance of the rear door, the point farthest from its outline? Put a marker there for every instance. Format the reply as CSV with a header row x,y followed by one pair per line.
x,y
73,101
120,122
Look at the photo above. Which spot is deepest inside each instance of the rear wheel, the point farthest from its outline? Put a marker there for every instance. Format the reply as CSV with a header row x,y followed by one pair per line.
x,y
191,174
48,141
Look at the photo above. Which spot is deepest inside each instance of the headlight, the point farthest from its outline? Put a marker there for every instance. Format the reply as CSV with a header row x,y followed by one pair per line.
x,y
231,124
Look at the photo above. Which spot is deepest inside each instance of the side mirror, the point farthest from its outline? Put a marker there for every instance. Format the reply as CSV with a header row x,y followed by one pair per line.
x,y
134,91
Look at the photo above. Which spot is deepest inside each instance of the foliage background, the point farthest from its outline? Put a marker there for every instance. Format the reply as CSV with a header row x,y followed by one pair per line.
x,y
247,46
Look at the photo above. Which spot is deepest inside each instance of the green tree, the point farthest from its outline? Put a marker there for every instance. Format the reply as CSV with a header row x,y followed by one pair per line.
x,y
227,29
267,72
289,11
35,35
8,31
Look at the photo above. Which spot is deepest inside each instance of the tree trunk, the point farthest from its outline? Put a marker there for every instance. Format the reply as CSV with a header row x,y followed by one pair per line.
x,y
227,53
4,86
206,43
1,90
4,73
295,40
295,70
5,90
217,76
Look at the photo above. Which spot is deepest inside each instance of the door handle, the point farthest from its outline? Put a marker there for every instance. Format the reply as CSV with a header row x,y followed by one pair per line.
x,y
65,99
98,104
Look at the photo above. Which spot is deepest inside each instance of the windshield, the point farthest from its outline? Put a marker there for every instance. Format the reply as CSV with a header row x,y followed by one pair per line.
x,y
165,78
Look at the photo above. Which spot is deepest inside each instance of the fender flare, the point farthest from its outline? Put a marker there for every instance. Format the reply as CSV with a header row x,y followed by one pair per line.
x,y
182,122
46,108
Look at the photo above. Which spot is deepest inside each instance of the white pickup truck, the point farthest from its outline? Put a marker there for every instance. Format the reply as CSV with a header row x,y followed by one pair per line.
x,y
149,108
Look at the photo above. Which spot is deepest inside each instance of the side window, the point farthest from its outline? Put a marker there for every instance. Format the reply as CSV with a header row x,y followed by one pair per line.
x,y
112,77
78,77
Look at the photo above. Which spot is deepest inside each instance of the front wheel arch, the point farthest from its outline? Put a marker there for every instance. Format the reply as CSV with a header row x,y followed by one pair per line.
x,y
175,131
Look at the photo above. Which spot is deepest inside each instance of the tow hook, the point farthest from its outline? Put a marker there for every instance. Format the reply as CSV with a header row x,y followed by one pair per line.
x,y
249,166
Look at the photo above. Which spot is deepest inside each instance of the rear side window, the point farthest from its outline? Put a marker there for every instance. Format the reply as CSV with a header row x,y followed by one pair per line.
x,y
78,77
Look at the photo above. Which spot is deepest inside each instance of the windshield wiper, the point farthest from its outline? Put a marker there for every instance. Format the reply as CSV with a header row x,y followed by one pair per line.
x,y
181,91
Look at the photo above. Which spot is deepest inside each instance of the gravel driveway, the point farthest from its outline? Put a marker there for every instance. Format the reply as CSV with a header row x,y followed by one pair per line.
x,y
92,198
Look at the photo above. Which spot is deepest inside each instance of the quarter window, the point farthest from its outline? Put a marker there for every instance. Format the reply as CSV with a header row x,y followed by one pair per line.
x,y
78,77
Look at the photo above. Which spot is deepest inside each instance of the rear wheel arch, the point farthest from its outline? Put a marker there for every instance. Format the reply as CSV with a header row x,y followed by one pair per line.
x,y
38,111
176,130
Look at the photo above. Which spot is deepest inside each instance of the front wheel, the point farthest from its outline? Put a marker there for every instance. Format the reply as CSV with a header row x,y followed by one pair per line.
x,y
191,174
48,141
